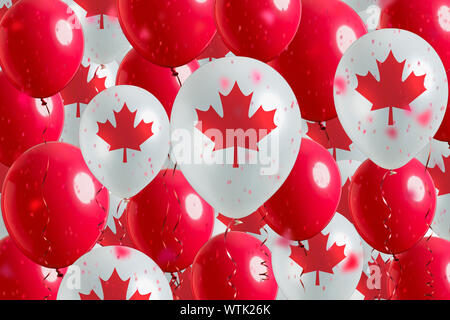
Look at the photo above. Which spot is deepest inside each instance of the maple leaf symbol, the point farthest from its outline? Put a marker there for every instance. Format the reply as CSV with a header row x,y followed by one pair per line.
x,y
318,258
79,90
99,7
251,223
330,136
235,119
375,287
391,92
441,178
114,289
125,135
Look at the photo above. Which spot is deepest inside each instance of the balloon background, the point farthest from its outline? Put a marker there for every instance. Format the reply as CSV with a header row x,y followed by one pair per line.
x,y
224,149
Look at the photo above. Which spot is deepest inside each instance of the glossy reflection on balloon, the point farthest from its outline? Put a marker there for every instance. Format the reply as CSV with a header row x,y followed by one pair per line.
x,y
63,31
84,187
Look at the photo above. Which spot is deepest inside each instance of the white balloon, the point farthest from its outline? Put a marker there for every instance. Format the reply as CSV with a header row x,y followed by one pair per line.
x,y
336,270
226,173
103,45
132,155
117,273
390,117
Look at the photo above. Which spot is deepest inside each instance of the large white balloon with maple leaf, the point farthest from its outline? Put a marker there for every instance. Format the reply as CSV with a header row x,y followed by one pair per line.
x,y
114,273
124,138
235,175
390,93
327,266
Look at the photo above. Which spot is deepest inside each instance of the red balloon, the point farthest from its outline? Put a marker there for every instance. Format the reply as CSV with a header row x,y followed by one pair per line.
x,y
259,29
53,207
161,82
168,33
169,221
431,20
40,46
392,210
309,64
307,200
237,267
25,121
22,279
422,273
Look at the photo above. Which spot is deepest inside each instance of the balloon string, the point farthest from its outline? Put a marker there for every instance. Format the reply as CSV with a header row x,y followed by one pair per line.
x,y
100,224
264,275
176,74
430,283
229,282
389,230
45,104
323,127
174,280
301,245
44,282
44,230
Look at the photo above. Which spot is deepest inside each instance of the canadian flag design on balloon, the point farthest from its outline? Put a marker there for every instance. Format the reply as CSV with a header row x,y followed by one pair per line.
x,y
327,266
114,273
236,132
125,135
390,93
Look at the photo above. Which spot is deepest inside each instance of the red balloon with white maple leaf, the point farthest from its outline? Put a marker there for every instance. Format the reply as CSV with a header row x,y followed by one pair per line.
x,y
41,46
392,210
25,121
327,29
307,200
233,266
53,207
169,221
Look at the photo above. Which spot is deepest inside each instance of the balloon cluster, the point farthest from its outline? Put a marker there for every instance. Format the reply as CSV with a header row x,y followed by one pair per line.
x,y
224,149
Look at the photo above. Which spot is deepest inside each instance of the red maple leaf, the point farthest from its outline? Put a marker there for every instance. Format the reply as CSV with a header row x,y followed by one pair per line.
x,y
343,207
114,289
99,7
252,223
330,135
235,120
441,179
125,135
79,90
317,258
375,287
391,92
182,289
